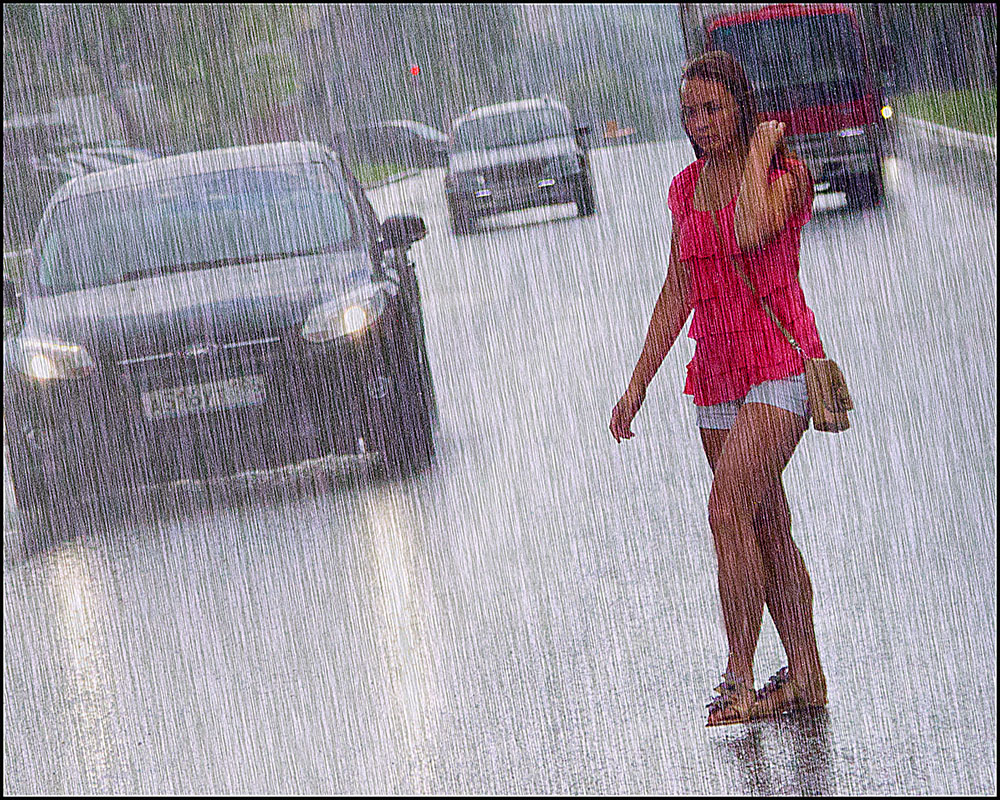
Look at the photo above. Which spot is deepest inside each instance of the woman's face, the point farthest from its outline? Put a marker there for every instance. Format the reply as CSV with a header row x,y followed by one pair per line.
x,y
709,115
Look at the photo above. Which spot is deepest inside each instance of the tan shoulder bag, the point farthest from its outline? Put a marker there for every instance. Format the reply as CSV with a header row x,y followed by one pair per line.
x,y
829,399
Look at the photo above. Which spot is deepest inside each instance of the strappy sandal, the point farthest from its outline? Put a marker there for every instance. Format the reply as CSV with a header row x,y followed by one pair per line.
x,y
733,704
781,694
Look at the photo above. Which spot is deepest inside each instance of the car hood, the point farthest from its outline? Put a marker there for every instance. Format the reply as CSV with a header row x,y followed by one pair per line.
x,y
483,159
227,304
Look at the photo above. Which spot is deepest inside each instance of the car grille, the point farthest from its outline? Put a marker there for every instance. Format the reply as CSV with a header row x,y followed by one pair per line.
x,y
201,359
810,144
518,173
258,347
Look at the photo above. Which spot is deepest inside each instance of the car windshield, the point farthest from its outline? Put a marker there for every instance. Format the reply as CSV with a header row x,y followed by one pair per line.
x,y
510,130
798,61
193,222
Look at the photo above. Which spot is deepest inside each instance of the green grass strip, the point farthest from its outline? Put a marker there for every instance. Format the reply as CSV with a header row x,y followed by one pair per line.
x,y
368,174
973,110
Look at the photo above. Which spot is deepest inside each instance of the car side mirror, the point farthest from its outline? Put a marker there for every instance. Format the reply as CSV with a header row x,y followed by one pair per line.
x,y
402,231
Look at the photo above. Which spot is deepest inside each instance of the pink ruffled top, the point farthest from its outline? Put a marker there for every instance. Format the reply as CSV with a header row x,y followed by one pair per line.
x,y
737,344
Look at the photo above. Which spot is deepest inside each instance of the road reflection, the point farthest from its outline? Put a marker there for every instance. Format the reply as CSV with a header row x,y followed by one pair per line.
x,y
79,605
405,626
789,755
162,505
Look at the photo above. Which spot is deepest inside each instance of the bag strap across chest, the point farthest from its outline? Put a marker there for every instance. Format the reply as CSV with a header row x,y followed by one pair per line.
x,y
749,284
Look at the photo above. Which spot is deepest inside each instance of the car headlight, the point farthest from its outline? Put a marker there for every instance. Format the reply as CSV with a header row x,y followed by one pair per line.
x,y
49,359
348,316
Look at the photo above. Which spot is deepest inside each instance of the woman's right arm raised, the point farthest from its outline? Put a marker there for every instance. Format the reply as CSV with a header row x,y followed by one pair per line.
x,y
669,315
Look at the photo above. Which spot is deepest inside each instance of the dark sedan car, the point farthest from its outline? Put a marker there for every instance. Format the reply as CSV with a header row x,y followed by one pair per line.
x,y
404,142
514,156
210,313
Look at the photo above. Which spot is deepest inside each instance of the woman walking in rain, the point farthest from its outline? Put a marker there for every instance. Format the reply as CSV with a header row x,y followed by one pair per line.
x,y
748,194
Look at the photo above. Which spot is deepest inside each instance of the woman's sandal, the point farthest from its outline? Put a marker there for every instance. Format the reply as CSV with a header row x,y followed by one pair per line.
x,y
781,694
733,704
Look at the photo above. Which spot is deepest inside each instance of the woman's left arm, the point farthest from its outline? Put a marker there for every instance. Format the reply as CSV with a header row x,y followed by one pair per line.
x,y
764,208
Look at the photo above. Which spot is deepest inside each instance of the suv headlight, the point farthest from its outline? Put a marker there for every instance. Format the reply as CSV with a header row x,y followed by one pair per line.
x,y
348,316
49,358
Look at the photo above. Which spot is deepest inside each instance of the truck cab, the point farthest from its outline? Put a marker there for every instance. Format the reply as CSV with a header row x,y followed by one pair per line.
x,y
809,69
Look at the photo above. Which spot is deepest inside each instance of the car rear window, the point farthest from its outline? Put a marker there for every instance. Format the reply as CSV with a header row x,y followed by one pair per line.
x,y
193,222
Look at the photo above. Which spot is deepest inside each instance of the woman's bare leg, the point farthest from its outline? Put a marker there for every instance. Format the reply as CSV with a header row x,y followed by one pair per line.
x,y
755,452
789,595
787,588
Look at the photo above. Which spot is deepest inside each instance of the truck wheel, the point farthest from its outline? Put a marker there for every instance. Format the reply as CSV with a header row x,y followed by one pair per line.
x,y
586,204
404,432
866,190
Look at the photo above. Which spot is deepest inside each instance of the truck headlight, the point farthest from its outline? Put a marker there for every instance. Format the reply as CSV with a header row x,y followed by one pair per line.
x,y
48,359
349,316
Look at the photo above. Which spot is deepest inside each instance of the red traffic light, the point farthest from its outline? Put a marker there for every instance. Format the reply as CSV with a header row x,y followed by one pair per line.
x,y
414,70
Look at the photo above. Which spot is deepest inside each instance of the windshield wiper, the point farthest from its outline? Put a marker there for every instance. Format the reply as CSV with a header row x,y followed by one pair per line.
x,y
299,253
187,266
191,266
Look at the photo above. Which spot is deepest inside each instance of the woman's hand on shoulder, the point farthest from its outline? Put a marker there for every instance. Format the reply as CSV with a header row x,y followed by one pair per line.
x,y
802,192
624,412
766,137
764,207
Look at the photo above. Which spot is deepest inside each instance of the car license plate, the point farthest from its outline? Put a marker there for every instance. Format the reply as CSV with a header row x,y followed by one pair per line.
x,y
179,401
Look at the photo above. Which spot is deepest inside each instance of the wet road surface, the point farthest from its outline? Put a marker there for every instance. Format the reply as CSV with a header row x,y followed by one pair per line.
x,y
537,613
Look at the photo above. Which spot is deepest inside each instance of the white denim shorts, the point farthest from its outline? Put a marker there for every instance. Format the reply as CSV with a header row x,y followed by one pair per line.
x,y
787,393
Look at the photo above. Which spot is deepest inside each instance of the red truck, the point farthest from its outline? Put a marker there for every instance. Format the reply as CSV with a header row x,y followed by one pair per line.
x,y
810,69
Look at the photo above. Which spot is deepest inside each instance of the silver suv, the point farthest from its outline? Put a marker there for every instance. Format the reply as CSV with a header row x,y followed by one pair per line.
x,y
517,155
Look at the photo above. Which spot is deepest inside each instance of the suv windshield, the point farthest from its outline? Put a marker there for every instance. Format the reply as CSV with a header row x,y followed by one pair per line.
x,y
510,130
193,222
798,61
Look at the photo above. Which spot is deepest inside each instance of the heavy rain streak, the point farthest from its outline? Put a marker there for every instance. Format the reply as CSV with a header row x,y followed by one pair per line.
x,y
315,317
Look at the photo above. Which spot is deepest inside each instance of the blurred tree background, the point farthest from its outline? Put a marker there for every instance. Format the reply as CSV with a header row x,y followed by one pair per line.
x,y
209,67
198,75
190,76
928,46
938,59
